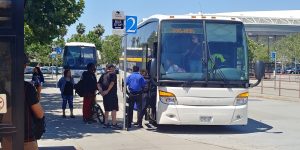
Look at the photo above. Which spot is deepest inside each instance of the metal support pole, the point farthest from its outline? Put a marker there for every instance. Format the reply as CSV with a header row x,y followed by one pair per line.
x,y
52,67
275,73
299,87
56,72
125,86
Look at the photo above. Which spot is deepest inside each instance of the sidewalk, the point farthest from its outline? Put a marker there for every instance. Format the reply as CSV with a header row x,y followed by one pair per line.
x,y
271,93
73,134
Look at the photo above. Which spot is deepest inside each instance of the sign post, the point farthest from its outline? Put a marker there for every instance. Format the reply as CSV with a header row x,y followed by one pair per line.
x,y
273,57
118,24
131,28
125,114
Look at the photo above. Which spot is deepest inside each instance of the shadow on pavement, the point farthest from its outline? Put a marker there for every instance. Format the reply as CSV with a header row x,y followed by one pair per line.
x,y
59,128
59,148
253,126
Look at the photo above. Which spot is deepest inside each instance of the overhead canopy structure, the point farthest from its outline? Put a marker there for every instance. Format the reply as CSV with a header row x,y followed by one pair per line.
x,y
266,25
284,17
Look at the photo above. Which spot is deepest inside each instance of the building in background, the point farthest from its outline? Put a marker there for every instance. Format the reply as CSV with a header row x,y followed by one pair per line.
x,y
266,27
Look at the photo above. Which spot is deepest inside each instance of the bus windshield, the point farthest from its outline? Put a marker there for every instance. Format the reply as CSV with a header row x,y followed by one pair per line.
x,y
77,57
192,51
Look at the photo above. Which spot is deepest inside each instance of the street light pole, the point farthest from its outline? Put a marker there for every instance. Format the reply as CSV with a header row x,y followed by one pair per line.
x,y
269,37
268,48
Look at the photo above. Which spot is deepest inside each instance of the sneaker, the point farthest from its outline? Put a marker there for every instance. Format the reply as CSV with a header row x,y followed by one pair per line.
x,y
93,121
88,121
64,116
106,125
72,116
116,126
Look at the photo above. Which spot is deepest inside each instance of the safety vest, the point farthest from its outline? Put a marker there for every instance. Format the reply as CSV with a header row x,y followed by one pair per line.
x,y
215,56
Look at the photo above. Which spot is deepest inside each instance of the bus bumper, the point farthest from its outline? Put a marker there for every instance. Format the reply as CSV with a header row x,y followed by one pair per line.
x,y
201,115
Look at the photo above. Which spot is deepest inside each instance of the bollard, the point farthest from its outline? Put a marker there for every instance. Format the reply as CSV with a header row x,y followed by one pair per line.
x,y
280,85
275,82
262,86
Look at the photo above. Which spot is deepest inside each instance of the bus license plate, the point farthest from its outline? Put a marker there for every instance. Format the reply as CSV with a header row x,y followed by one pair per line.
x,y
206,119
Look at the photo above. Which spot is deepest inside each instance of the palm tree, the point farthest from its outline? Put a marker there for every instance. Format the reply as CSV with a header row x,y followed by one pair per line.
x,y
80,28
63,31
99,30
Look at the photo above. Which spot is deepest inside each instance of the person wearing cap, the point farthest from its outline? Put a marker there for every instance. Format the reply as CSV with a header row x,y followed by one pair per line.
x,y
107,86
32,109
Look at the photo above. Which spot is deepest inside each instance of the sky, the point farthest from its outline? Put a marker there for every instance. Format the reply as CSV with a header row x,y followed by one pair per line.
x,y
100,11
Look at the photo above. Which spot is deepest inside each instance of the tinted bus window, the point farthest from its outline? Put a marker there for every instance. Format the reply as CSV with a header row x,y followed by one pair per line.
x,y
77,57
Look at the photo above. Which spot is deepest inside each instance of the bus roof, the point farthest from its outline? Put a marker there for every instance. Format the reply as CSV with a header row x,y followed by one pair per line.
x,y
80,44
188,16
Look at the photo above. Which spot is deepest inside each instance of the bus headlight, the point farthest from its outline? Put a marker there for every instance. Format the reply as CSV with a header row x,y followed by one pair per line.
x,y
241,99
167,98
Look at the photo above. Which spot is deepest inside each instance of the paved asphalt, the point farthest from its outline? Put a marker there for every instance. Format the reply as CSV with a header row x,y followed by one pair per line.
x,y
273,125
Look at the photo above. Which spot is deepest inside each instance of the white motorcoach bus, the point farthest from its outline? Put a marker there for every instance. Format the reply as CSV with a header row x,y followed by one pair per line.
x,y
198,66
77,55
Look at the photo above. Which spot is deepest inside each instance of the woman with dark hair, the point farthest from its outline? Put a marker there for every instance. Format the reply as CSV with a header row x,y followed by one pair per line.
x,y
37,80
66,86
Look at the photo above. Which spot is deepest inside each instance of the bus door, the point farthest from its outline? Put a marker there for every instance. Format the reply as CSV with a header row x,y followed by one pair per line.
x,y
11,74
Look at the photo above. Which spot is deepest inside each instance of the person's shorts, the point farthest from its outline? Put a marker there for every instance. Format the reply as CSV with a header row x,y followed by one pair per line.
x,y
110,102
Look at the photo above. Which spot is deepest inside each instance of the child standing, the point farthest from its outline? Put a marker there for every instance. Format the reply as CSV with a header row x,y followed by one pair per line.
x,y
66,86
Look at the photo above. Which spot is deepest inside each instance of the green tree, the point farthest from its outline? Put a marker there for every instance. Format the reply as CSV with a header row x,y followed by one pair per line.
x,y
63,32
39,52
99,30
111,49
257,51
46,18
288,48
93,36
80,28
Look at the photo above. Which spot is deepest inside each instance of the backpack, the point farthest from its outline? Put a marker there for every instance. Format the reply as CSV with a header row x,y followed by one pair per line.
x,y
38,125
79,88
36,81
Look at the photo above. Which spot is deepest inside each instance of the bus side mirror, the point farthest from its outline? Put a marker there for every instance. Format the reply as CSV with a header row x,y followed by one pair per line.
x,y
153,68
259,72
155,44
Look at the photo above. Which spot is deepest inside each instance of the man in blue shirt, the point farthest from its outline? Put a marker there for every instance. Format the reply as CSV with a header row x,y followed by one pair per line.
x,y
136,84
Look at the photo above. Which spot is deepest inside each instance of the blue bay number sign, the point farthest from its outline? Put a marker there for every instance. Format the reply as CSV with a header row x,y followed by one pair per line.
x,y
131,24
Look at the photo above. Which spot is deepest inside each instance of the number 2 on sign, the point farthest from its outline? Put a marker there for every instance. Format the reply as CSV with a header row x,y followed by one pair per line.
x,y
133,22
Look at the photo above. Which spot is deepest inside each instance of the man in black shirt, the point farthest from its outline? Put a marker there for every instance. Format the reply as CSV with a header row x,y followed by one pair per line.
x,y
107,86
32,109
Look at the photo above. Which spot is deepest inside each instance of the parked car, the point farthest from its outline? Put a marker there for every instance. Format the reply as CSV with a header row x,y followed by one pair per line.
x,y
280,70
293,70
45,70
100,70
59,69
28,70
